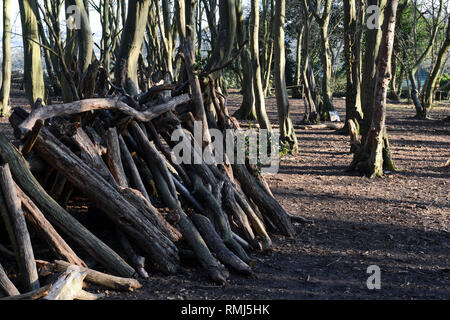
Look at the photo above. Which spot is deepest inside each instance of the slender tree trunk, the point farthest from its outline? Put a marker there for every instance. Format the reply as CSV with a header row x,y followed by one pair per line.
x,y
421,111
373,155
33,74
106,36
167,36
311,99
352,48
430,88
327,95
6,63
263,120
288,138
297,90
86,43
247,110
131,44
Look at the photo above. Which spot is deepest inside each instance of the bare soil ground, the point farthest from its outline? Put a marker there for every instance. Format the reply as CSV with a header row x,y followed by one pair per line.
x,y
400,223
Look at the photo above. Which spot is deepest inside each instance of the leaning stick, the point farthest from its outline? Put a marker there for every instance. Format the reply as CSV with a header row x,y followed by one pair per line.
x,y
6,285
32,295
57,244
25,250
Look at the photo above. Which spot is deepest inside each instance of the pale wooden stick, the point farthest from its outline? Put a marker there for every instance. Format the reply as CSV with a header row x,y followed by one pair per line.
x,y
25,250
6,284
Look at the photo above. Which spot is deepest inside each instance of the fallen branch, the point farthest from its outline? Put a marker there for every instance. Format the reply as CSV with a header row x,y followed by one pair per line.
x,y
32,295
69,286
55,110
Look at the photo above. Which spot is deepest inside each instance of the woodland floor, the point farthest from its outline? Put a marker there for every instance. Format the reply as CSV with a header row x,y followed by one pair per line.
x,y
400,223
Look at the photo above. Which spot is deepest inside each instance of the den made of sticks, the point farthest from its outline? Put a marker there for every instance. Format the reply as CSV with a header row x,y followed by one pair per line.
x,y
224,149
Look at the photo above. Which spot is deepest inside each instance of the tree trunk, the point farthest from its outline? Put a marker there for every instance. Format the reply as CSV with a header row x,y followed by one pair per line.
x,y
323,20
260,106
33,74
373,156
430,88
352,49
288,138
131,44
297,91
6,63
247,110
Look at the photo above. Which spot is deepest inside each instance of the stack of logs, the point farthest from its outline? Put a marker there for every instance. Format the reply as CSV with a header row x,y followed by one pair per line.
x,y
116,153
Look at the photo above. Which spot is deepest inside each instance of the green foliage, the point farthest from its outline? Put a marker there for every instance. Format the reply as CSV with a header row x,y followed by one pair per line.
x,y
444,79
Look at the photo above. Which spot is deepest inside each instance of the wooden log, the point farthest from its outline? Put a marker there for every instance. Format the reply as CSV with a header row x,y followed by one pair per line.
x,y
58,186
239,215
138,262
146,174
90,154
9,228
255,221
133,171
6,285
69,286
165,150
57,215
96,104
31,137
125,215
216,244
190,232
32,295
152,156
44,228
114,158
135,198
95,277
96,139
265,202
26,261
219,218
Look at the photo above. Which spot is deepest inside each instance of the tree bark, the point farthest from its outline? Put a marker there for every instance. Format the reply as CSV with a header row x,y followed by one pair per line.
x,y
25,257
6,285
352,48
6,62
260,106
44,228
58,216
373,153
131,44
33,74
430,88
288,139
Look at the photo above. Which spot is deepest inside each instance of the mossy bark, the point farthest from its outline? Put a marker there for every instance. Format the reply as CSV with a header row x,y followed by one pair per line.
x,y
131,44
374,156
352,49
288,138
247,110
430,87
33,74
263,119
